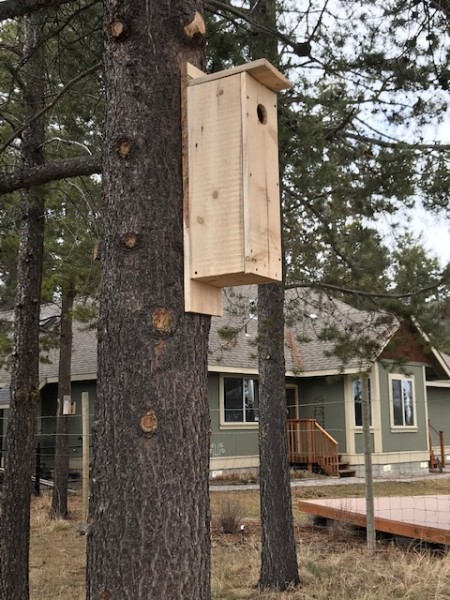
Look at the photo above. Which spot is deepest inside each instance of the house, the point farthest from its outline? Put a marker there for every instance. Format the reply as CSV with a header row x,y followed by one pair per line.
x,y
327,345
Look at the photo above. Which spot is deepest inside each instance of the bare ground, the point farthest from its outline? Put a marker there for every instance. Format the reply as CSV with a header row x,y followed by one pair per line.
x,y
333,561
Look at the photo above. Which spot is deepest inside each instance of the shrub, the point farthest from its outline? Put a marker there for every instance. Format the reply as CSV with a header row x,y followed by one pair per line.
x,y
230,515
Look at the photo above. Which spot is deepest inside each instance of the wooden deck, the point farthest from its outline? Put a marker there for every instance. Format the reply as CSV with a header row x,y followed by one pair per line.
x,y
425,518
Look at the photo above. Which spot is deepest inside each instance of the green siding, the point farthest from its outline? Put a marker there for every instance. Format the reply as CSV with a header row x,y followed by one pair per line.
x,y
322,399
398,440
359,443
48,420
227,442
439,412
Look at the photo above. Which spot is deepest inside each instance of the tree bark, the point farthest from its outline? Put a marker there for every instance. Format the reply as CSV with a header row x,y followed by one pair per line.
x,y
59,507
149,532
20,442
279,568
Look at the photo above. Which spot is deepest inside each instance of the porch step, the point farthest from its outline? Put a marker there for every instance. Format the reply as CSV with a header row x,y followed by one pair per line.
x,y
345,471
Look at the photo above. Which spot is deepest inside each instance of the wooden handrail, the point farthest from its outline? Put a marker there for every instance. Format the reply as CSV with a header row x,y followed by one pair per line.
x,y
325,433
436,461
310,444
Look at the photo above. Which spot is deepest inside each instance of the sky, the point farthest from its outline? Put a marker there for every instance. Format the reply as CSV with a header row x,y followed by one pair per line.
x,y
434,231
436,234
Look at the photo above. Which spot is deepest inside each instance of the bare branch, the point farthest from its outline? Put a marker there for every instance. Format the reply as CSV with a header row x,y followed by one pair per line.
x,y
14,49
60,169
400,144
46,108
443,6
299,48
353,292
11,9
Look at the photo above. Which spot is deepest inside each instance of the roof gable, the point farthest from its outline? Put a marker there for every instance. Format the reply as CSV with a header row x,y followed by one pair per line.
x,y
407,344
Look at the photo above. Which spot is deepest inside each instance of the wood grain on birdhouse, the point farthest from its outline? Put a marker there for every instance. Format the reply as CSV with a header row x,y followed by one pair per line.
x,y
232,204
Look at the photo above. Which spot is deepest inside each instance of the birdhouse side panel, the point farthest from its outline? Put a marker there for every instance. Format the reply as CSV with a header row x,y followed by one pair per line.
x,y
215,179
262,221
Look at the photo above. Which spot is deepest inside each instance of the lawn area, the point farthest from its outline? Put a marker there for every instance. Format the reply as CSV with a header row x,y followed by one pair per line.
x,y
333,562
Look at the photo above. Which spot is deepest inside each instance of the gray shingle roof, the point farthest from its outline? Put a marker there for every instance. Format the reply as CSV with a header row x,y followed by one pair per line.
x,y
309,317
4,395
233,336
84,355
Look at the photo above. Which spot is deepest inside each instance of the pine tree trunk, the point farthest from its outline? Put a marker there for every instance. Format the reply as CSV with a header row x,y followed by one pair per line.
x,y
279,568
149,533
59,507
20,440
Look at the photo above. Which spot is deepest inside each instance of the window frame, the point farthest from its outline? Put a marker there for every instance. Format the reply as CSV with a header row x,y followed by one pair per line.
x,y
292,386
244,424
236,424
402,378
353,381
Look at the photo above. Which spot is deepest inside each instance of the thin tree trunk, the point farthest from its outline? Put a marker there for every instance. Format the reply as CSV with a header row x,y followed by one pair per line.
x,y
59,507
20,440
279,568
278,553
368,471
149,534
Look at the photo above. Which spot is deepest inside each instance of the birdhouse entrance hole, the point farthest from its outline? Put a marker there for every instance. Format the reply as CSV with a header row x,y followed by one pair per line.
x,y
262,114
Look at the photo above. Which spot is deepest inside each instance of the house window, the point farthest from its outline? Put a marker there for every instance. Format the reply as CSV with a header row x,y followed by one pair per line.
x,y
291,402
402,401
241,401
357,401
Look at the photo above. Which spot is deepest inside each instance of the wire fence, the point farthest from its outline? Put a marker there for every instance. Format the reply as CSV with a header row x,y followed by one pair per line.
x,y
411,487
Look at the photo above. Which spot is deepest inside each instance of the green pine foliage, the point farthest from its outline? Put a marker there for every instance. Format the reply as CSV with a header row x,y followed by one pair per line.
x,y
358,144
359,138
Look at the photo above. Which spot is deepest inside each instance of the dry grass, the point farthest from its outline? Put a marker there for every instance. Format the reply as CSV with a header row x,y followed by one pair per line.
x,y
333,570
247,500
57,562
333,564
427,486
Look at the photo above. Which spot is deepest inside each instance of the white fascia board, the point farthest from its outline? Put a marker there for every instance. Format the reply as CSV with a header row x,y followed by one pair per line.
x,y
438,384
302,374
434,350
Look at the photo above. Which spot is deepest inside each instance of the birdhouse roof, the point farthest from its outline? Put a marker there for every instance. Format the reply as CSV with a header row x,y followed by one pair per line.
x,y
260,69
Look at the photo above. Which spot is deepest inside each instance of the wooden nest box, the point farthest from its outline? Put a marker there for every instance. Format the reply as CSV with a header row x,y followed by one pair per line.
x,y
232,199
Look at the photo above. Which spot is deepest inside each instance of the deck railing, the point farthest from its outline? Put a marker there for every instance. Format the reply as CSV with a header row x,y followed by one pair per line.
x,y
437,458
310,444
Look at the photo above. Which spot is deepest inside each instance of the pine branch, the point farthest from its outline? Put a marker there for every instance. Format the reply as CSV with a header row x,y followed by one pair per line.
x,y
11,9
47,107
60,169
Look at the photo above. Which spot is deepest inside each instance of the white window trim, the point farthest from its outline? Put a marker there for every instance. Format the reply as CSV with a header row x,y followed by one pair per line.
x,y
376,427
251,425
402,428
356,427
225,424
